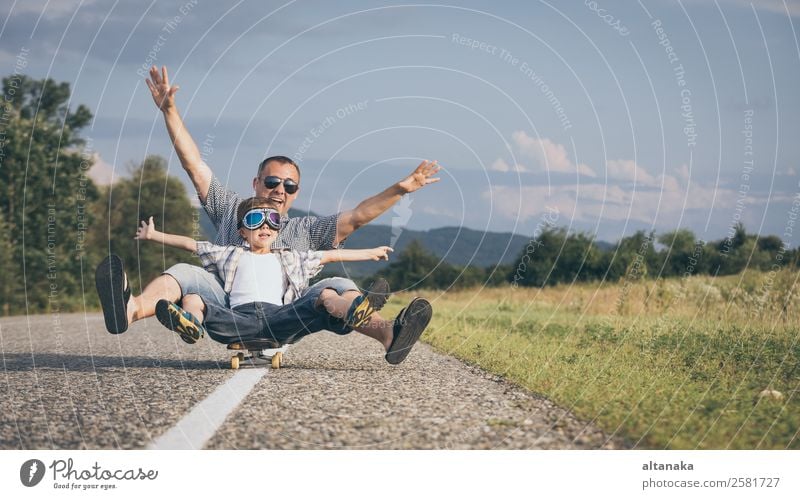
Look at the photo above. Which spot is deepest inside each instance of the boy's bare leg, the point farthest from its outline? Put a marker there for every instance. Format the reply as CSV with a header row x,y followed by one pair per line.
x,y
163,287
194,305
377,328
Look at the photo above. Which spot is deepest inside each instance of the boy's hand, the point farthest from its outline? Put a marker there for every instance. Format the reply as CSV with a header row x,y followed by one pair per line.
x,y
380,253
146,230
421,176
163,94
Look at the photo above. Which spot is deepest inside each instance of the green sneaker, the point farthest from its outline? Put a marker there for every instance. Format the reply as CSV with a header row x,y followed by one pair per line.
x,y
179,320
365,305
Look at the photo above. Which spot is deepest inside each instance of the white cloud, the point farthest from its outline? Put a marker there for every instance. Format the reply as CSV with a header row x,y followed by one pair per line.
x,y
683,172
553,157
668,183
500,165
101,172
550,155
631,192
587,202
628,170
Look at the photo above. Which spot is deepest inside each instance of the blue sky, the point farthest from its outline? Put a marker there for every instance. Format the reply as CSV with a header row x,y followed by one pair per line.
x,y
622,115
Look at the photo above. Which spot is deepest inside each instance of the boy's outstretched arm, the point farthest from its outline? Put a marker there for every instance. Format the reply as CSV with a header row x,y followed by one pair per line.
x,y
356,255
185,147
147,232
371,208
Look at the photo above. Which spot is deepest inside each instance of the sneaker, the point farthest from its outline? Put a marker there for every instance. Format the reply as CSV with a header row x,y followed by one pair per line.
x,y
179,320
367,304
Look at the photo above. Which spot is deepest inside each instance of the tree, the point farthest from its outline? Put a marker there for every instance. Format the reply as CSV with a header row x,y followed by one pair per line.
x,y
43,168
471,276
8,285
416,267
739,235
148,191
679,253
557,257
772,244
733,252
634,257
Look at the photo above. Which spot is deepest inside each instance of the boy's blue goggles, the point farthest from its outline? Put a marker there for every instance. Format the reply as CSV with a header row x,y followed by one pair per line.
x,y
257,217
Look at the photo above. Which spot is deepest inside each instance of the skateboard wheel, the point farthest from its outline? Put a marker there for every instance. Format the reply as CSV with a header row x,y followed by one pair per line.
x,y
235,362
276,360
240,355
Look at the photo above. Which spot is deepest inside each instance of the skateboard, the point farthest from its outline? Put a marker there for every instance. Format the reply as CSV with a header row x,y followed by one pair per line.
x,y
256,355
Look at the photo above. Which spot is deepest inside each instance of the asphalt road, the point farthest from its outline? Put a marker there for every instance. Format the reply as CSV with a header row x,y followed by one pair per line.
x,y
68,384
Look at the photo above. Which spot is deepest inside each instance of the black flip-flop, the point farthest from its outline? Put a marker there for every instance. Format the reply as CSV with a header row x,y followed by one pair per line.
x,y
114,292
367,304
408,327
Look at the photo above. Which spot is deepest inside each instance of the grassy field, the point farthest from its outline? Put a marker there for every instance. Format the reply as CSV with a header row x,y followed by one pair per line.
x,y
676,364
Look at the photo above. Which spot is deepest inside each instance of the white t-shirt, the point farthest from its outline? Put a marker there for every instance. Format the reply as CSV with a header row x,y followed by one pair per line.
x,y
259,277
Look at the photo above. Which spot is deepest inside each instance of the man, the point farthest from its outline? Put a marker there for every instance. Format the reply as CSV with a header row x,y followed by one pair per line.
x,y
280,307
278,179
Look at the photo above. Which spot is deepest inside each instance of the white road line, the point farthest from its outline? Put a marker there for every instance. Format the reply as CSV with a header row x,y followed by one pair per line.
x,y
200,424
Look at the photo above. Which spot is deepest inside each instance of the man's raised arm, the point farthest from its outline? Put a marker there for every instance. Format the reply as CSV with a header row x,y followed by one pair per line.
x,y
371,208
185,147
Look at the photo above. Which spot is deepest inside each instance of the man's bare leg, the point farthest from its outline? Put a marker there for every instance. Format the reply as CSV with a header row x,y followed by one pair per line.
x,y
379,329
163,287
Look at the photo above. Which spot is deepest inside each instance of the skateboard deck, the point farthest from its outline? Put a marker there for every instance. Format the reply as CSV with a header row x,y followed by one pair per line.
x,y
256,355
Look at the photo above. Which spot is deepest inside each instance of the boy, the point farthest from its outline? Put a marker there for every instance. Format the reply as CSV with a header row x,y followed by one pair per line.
x,y
259,282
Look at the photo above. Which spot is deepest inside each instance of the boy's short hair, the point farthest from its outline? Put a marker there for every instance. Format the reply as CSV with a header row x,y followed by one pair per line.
x,y
247,205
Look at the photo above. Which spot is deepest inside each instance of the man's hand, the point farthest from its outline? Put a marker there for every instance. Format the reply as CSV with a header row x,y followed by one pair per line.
x,y
189,155
421,176
379,253
146,230
163,94
371,208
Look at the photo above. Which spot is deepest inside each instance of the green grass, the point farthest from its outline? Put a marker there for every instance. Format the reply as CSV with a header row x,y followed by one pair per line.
x,y
681,374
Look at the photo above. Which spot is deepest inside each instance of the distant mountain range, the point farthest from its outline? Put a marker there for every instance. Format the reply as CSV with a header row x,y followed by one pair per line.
x,y
455,245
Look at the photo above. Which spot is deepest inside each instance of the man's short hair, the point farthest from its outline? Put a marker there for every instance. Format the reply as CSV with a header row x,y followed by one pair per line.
x,y
279,159
247,205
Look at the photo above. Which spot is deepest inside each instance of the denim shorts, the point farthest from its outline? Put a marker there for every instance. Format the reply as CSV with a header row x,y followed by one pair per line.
x,y
195,280
285,324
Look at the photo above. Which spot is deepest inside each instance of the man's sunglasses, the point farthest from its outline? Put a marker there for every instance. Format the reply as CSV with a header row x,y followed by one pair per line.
x,y
257,217
289,185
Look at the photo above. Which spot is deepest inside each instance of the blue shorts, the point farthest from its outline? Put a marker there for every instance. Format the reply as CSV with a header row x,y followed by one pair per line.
x,y
285,324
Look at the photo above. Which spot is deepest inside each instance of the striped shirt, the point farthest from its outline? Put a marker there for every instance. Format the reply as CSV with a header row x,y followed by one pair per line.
x,y
298,233
298,266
